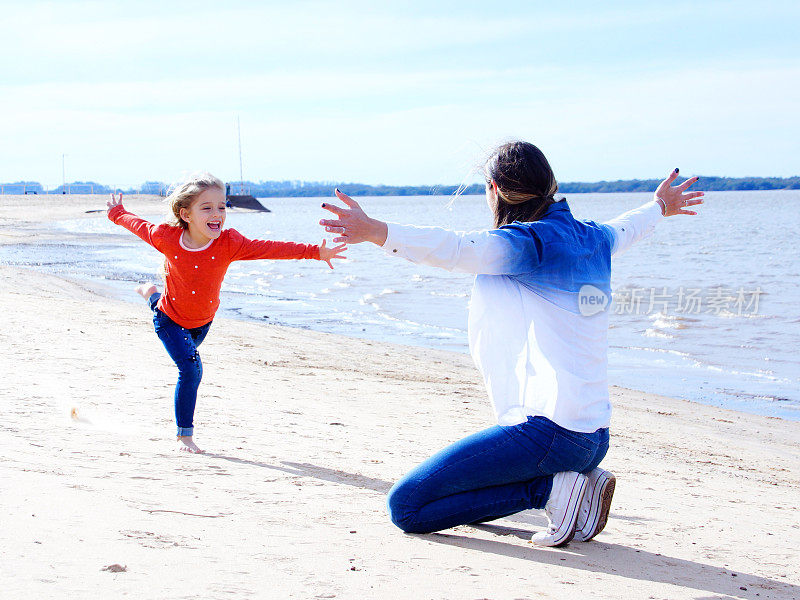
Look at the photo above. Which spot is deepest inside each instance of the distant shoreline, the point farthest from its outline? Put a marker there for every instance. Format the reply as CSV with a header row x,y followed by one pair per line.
x,y
709,184
312,189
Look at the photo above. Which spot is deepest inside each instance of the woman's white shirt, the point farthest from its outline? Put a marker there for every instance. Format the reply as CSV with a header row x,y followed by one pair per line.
x,y
539,349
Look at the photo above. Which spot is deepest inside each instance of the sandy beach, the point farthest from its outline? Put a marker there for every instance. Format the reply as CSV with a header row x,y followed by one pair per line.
x,y
304,434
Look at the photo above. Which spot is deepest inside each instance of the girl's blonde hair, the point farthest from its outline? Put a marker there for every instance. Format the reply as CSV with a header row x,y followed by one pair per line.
x,y
182,194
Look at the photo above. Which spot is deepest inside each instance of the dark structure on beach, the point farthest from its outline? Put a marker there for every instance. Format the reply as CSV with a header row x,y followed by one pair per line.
x,y
243,201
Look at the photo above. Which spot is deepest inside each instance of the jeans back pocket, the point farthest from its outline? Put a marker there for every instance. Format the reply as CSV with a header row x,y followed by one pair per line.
x,y
570,451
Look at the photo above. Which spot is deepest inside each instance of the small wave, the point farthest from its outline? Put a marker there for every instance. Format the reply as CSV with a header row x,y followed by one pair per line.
x,y
760,375
441,335
767,397
727,314
415,325
444,295
655,333
658,350
665,321
367,298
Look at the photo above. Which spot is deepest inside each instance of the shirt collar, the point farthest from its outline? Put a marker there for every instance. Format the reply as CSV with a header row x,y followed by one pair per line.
x,y
557,206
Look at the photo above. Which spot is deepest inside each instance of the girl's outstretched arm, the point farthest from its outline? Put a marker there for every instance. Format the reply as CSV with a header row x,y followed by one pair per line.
x,y
144,229
267,249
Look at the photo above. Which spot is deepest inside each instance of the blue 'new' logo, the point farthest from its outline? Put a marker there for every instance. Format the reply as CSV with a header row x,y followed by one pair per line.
x,y
592,300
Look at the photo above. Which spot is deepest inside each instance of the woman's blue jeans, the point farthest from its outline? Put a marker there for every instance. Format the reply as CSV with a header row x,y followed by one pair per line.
x,y
181,345
491,474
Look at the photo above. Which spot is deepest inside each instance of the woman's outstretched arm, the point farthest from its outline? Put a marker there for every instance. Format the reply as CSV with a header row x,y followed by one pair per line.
x,y
668,200
492,252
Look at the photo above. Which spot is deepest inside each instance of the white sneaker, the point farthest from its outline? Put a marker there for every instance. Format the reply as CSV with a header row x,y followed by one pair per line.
x,y
593,513
562,509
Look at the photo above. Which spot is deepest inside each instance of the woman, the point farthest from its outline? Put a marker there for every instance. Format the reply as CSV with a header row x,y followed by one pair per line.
x,y
538,326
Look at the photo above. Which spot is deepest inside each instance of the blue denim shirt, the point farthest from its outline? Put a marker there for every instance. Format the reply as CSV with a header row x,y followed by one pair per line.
x,y
558,255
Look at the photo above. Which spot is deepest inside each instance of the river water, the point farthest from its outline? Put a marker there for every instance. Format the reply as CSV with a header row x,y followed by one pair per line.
x,y
707,309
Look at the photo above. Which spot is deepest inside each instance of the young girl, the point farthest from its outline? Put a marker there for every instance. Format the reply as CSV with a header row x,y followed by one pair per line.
x,y
197,253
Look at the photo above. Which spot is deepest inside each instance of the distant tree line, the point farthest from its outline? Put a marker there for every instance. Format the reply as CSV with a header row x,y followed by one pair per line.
x,y
289,189
708,184
277,189
283,189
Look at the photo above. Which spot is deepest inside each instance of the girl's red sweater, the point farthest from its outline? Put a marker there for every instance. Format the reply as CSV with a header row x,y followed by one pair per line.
x,y
194,276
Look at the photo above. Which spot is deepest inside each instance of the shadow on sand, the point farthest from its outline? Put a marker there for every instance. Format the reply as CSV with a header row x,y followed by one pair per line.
x,y
322,473
623,561
595,556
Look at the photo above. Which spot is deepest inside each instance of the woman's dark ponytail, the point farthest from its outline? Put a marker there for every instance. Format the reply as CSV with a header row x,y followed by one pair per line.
x,y
526,185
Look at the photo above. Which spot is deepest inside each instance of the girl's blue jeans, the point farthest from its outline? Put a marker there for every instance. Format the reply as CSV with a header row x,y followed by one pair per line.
x,y
181,345
491,474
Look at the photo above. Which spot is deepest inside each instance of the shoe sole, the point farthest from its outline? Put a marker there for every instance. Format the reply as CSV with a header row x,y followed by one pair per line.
x,y
601,506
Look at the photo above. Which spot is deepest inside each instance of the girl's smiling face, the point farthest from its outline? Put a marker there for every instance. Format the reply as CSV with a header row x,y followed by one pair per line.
x,y
205,216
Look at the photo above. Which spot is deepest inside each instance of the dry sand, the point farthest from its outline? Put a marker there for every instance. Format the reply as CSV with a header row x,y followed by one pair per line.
x,y
305,432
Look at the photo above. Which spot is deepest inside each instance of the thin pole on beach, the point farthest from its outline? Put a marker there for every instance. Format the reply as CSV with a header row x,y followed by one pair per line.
x,y
241,176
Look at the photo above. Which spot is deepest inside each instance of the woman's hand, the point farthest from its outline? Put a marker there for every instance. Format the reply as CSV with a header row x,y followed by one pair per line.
x,y
353,224
673,200
328,254
114,201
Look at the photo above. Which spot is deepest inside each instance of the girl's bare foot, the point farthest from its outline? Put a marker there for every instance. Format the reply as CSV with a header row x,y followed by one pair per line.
x,y
185,444
146,290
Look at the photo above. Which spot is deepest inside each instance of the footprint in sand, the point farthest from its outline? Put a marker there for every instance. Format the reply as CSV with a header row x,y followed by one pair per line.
x,y
115,568
77,415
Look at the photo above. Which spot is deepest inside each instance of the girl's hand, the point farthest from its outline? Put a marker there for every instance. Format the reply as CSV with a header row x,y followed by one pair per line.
x,y
114,201
353,223
672,200
328,254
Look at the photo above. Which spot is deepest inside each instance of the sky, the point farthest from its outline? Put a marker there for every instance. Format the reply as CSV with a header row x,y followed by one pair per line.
x,y
415,93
